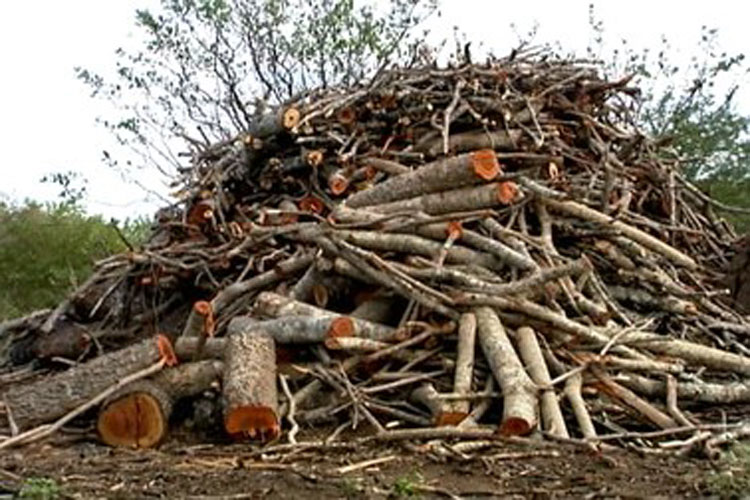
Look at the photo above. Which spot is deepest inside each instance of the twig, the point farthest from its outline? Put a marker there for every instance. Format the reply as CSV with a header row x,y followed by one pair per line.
x,y
291,409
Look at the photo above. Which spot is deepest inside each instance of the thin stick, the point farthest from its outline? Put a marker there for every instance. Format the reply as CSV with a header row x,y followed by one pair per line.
x,y
292,408
672,406
365,464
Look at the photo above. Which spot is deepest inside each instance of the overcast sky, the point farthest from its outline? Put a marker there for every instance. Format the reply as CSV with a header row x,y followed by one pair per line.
x,y
47,119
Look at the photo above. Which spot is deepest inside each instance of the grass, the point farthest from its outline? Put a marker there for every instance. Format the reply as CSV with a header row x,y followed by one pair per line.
x,y
40,488
407,486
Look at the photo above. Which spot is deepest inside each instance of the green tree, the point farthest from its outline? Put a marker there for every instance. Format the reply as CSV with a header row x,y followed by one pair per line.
x,y
692,106
45,250
208,67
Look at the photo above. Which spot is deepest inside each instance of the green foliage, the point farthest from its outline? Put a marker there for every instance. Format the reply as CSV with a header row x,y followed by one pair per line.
x,y
72,185
46,250
208,66
693,105
733,193
40,488
407,486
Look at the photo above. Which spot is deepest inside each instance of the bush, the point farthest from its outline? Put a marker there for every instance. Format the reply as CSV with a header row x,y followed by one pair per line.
x,y
46,250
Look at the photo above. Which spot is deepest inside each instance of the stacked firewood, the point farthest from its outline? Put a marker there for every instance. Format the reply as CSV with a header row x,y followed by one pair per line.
x,y
489,248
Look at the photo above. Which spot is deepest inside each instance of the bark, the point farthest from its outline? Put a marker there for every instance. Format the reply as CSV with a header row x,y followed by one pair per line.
x,y
467,141
519,392
552,418
186,348
445,202
249,391
273,305
354,344
411,244
440,410
387,166
282,271
691,353
698,392
465,352
56,395
502,252
575,398
578,210
628,397
440,175
645,299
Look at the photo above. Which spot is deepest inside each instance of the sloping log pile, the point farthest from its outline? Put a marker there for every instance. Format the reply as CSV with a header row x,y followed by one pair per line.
x,y
491,246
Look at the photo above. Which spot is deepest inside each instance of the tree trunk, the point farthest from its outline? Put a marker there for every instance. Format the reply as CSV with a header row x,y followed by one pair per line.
x,y
56,395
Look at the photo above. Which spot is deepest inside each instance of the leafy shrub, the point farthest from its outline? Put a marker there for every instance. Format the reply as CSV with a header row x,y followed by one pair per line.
x,y
46,250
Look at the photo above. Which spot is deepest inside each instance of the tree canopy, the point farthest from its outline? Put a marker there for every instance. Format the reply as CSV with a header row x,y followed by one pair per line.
x,y
208,67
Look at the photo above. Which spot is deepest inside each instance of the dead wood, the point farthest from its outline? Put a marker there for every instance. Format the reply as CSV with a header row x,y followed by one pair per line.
x,y
138,415
53,396
479,166
354,226
519,392
249,386
465,352
552,417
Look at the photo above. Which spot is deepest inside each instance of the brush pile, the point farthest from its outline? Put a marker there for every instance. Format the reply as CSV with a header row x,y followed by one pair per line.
x,y
483,249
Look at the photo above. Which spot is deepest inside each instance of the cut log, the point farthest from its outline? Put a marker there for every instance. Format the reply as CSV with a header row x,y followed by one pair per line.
x,y
552,418
519,392
56,395
573,392
250,392
467,141
465,351
137,419
282,120
449,173
456,200
138,415
440,410
269,304
310,330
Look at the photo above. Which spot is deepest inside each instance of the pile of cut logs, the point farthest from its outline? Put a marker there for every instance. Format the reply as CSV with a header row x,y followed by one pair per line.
x,y
487,249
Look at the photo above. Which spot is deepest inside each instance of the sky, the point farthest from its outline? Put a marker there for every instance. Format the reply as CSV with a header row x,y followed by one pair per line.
x,y
48,118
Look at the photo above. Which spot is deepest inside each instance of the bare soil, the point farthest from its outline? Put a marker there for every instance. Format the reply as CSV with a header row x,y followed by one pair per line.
x,y
83,469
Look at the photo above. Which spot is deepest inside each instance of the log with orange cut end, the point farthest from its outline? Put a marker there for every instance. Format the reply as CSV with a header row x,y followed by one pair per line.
x,y
249,386
311,204
441,175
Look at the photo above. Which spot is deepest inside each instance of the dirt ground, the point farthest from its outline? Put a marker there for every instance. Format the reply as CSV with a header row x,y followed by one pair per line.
x,y
80,468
